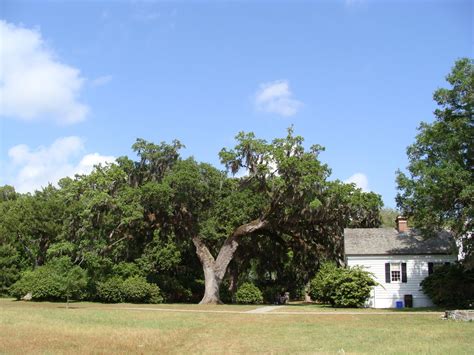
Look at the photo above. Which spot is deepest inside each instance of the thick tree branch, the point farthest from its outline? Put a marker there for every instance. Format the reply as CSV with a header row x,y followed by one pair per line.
x,y
227,250
203,252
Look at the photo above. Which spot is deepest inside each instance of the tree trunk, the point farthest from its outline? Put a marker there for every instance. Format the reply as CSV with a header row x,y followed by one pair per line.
x,y
215,269
211,280
212,285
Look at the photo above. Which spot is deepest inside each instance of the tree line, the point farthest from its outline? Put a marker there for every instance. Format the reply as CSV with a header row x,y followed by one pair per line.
x,y
197,232
192,229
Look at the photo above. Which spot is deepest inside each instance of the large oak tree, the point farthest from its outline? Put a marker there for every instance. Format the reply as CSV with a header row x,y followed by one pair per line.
x,y
284,193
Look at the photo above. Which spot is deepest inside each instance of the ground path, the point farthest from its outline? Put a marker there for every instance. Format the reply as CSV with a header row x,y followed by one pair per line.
x,y
264,309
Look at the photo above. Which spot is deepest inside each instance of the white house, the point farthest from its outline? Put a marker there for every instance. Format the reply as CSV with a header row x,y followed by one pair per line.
x,y
399,259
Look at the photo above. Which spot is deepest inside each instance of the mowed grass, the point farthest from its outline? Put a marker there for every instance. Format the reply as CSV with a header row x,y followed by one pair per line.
x,y
95,328
308,307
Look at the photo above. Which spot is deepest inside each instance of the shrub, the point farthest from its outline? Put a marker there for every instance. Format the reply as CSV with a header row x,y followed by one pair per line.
x,y
111,290
57,280
341,287
135,289
42,283
249,294
450,286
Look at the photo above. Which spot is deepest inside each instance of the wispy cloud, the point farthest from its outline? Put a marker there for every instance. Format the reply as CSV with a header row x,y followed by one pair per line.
x,y
34,84
101,80
276,97
360,180
31,169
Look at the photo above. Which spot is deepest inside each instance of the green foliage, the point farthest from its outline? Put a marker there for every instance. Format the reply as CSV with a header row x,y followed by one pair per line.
x,y
140,218
57,280
365,210
74,282
126,270
134,289
438,189
388,216
111,290
137,290
450,286
248,294
7,193
9,268
341,287
32,223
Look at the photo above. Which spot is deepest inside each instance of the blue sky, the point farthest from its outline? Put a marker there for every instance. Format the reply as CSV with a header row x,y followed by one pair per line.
x,y
80,81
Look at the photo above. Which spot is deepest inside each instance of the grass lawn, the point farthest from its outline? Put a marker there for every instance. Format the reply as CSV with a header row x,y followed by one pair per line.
x,y
96,328
305,307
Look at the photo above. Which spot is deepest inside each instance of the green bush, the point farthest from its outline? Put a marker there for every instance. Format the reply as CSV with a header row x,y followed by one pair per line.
x,y
135,289
111,290
341,287
41,283
57,280
248,294
450,286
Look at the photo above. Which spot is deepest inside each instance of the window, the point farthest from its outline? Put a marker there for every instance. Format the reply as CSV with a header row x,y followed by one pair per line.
x,y
432,267
396,272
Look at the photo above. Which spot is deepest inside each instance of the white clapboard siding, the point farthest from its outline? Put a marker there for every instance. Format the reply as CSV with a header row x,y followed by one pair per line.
x,y
387,294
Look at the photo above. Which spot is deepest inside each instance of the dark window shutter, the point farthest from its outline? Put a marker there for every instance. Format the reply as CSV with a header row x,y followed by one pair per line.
x,y
404,272
430,268
387,273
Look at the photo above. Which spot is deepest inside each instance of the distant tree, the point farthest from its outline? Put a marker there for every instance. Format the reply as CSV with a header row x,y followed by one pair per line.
x,y
32,223
9,267
74,280
438,191
388,216
366,210
7,193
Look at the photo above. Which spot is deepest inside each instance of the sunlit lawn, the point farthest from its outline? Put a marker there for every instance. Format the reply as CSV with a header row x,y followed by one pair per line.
x,y
96,328
304,307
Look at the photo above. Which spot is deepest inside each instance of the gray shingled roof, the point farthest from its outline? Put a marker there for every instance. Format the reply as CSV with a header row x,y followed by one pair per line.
x,y
378,241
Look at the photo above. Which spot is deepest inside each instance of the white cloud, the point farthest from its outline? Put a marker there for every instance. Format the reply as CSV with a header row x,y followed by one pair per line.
x,y
35,168
34,84
101,80
360,180
276,97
